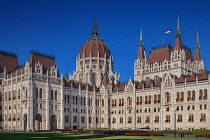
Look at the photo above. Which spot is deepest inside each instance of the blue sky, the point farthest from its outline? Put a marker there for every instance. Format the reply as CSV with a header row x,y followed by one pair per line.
x,y
61,27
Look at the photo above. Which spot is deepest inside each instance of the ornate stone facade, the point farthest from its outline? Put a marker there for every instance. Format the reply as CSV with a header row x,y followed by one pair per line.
x,y
170,87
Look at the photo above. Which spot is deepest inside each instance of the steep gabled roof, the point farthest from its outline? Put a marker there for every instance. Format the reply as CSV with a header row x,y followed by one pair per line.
x,y
47,61
203,76
141,85
180,79
8,60
191,78
157,83
160,54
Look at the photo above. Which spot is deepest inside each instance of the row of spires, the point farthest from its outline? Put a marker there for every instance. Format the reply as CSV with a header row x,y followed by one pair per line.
x,y
177,45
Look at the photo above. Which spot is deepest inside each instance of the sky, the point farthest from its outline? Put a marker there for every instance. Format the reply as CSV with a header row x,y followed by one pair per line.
x,y
61,27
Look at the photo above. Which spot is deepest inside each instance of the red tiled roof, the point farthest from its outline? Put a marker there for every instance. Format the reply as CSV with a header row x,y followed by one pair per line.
x,y
203,76
141,53
180,80
191,78
160,54
149,84
46,61
197,56
115,88
178,44
140,85
157,83
94,46
8,61
188,54
122,87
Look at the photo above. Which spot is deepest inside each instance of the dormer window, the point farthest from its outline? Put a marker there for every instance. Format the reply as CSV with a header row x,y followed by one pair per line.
x,y
53,71
38,68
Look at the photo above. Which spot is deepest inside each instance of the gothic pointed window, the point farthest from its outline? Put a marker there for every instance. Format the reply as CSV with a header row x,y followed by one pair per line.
x,y
38,68
53,71
94,78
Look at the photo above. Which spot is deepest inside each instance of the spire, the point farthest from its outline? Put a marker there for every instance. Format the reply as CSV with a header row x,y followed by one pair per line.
x,y
178,42
141,52
95,29
67,73
197,46
197,56
141,44
178,32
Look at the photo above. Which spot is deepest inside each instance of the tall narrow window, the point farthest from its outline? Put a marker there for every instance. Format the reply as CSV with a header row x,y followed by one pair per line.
x,y
56,95
205,94
51,94
36,92
40,93
94,78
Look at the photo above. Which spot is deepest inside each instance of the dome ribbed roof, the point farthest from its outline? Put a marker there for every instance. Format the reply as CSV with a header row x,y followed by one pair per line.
x,y
94,47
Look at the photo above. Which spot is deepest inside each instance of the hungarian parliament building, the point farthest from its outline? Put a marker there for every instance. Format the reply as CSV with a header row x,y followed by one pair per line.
x,y
170,90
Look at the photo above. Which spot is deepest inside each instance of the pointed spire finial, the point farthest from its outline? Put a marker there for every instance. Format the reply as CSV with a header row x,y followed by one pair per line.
x,y
178,32
197,46
141,44
67,73
197,56
95,29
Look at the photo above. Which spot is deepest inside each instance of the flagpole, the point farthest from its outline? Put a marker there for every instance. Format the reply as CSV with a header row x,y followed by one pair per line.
x,y
169,39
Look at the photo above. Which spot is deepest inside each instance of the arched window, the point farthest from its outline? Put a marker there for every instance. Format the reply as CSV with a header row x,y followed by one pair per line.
x,y
182,96
191,118
193,95
189,96
54,72
38,68
167,97
203,117
205,94
201,95
94,78
147,119
139,120
177,96
167,118
155,98
179,118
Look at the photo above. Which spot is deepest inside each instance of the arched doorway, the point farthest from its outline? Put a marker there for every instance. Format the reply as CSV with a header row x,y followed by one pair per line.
x,y
38,122
53,122
25,122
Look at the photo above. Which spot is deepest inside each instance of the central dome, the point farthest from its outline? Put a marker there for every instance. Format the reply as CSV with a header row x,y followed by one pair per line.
x,y
94,47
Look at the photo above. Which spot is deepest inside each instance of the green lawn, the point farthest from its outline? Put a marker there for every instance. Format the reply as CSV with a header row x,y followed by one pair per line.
x,y
62,136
